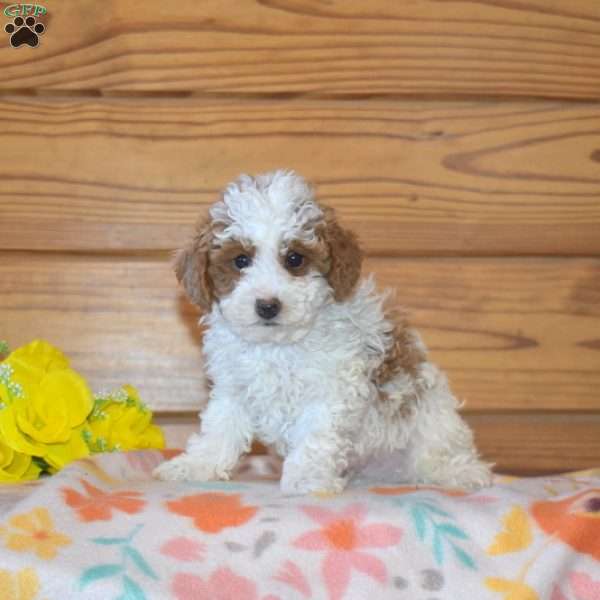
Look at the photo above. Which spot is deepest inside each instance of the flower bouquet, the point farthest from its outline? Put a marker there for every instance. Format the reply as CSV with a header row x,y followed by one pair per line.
x,y
49,416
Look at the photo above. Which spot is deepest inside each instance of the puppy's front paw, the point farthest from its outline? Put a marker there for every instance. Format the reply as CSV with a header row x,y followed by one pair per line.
x,y
298,483
184,468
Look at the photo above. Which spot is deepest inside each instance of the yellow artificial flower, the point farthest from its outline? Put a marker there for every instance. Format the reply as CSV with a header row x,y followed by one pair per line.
x,y
60,455
50,424
23,585
121,421
4,393
15,466
35,534
61,402
11,393
31,362
48,411
13,436
44,405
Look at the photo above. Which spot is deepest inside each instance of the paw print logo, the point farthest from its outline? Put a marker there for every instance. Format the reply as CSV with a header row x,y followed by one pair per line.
x,y
24,31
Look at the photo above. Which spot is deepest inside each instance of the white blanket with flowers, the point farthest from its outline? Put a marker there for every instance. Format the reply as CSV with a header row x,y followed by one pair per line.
x,y
103,529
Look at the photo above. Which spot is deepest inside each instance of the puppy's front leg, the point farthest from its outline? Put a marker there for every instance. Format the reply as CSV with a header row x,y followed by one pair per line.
x,y
318,465
322,442
225,435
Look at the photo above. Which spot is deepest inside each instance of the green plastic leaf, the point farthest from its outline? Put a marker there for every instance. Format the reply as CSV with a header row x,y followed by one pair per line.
x,y
140,562
41,463
98,572
131,590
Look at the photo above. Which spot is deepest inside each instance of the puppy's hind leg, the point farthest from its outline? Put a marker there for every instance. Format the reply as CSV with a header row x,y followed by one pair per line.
x,y
441,448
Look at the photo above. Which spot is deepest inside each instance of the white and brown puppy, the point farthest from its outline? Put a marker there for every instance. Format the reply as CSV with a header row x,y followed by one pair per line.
x,y
305,358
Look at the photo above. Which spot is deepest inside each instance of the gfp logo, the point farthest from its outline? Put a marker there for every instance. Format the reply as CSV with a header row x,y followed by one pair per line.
x,y
25,28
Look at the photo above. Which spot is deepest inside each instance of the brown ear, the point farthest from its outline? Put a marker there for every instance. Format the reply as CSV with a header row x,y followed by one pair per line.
x,y
345,257
191,267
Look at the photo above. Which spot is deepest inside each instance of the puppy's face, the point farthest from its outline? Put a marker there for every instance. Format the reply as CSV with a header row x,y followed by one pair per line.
x,y
269,257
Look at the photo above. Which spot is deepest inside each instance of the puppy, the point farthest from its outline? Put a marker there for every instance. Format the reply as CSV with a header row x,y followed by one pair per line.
x,y
306,358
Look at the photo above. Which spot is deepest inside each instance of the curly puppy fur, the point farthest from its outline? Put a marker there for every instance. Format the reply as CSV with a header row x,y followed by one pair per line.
x,y
337,384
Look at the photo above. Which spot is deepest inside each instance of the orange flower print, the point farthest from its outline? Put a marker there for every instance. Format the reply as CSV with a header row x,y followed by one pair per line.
x,y
98,505
34,532
344,537
575,520
213,511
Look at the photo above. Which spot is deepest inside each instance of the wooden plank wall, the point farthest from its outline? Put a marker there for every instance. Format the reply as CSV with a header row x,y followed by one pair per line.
x,y
461,140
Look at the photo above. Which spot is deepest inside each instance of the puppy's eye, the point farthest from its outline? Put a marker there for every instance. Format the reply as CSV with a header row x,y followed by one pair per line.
x,y
294,260
242,261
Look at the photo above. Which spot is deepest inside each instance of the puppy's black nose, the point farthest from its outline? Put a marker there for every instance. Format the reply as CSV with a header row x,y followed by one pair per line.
x,y
268,309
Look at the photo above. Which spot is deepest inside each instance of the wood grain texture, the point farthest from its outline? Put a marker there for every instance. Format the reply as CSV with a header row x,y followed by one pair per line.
x,y
513,334
517,443
448,134
485,48
412,178
536,444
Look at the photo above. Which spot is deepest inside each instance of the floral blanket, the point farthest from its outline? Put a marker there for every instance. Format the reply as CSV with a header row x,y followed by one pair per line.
x,y
103,529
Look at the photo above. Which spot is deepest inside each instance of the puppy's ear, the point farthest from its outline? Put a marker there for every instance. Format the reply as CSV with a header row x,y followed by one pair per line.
x,y
345,256
191,267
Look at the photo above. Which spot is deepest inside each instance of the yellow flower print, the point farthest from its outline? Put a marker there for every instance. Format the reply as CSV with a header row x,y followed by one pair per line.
x,y
35,533
511,590
23,585
515,536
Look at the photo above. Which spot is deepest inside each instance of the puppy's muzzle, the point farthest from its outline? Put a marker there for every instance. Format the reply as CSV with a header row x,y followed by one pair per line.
x,y
268,309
